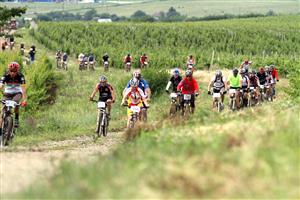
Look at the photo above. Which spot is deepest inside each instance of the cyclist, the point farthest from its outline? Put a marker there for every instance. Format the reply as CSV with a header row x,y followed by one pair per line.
x,y
106,94
127,59
58,56
14,89
65,57
189,85
174,81
144,60
105,58
135,97
32,54
274,73
91,57
142,83
246,65
245,86
218,82
262,76
80,57
254,82
191,62
22,49
235,82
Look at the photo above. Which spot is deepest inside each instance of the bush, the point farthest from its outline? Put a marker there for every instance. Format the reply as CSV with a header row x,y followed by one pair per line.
x,y
157,79
42,83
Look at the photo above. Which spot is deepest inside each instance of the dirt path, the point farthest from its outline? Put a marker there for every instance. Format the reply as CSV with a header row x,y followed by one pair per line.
x,y
21,167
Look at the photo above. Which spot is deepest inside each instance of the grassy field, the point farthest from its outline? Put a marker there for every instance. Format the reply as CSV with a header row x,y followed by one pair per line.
x,y
198,8
253,153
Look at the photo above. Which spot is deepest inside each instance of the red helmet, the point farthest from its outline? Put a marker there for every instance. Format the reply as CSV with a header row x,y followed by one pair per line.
x,y
246,62
13,67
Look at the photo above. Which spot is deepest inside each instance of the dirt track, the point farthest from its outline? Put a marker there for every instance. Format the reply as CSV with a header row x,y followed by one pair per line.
x,y
23,166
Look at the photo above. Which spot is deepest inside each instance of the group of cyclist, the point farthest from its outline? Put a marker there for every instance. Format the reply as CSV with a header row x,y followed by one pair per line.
x,y
136,93
243,81
61,58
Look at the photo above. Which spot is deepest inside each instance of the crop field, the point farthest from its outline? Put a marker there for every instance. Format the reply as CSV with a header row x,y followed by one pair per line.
x,y
221,43
197,8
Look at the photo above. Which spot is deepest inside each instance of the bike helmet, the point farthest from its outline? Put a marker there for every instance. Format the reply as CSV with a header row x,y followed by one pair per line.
x,y
137,74
176,71
235,71
246,62
253,72
188,73
13,67
243,71
272,67
102,78
134,82
218,73
267,68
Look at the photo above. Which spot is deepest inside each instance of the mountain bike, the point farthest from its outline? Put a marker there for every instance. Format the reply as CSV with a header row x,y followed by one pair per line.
x,y
217,101
105,65
234,99
91,65
127,66
175,103
252,101
102,118
64,65
187,108
7,122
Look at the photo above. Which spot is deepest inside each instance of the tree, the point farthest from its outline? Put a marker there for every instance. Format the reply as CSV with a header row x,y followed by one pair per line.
x,y
7,13
89,15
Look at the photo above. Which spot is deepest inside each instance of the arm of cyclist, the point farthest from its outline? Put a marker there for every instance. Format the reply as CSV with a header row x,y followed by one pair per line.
x,y
94,93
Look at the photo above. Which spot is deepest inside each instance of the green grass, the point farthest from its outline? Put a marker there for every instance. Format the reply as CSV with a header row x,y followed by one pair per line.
x,y
198,8
73,114
253,153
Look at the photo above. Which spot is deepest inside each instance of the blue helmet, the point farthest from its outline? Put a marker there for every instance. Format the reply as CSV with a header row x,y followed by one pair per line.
x,y
176,71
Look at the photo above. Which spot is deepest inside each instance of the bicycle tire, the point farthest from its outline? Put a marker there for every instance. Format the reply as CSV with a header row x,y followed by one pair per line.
x,y
7,131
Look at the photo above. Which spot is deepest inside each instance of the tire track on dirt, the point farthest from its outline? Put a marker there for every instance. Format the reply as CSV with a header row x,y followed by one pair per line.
x,y
22,166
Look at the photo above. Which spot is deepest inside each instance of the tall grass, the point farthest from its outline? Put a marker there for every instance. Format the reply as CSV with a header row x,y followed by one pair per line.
x,y
241,157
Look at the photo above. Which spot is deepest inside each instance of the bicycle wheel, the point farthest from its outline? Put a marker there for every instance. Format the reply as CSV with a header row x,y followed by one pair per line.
x,y
104,125
99,127
7,130
172,110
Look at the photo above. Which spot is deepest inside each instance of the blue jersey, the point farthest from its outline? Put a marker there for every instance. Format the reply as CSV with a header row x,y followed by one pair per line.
x,y
143,84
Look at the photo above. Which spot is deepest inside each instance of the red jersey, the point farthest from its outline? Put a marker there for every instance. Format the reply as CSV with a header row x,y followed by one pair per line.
x,y
188,86
275,74
143,59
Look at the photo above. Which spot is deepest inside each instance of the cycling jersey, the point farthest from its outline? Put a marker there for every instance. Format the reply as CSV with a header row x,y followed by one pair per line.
x,y
245,82
65,57
135,95
143,85
262,78
143,59
105,92
275,74
253,81
245,66
91,58
234,82
105,58
13,84
128,59
175,82
218,83
187,86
